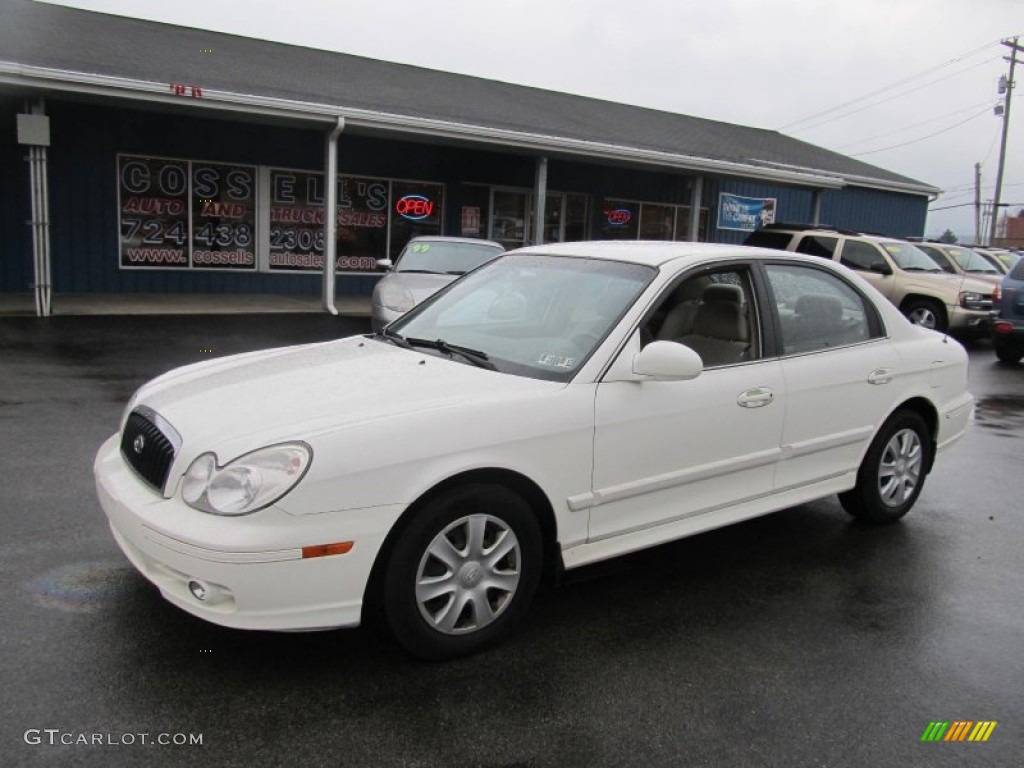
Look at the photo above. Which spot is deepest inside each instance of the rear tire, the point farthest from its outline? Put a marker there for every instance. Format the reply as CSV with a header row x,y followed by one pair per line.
x,y
463,572
927,313
892,473
1009,354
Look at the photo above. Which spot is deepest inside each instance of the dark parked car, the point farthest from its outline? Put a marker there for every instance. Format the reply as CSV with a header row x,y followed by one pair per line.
x,y
1008,316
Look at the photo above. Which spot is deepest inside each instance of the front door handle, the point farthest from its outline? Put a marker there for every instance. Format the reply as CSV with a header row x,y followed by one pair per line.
x,y
755,397
880,376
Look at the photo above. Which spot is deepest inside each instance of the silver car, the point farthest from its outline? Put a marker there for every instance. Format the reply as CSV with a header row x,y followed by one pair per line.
x,y
425,266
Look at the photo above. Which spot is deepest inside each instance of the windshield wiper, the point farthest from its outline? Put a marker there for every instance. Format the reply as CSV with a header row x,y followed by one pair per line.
x,y
395,338
920,269
417,272
475,356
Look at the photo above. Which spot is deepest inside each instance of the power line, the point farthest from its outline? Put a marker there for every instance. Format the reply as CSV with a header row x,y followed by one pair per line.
x,y
895,96
922,138
955,59
914,125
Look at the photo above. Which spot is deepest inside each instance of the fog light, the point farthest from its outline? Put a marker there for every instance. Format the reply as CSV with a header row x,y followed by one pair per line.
x,y
198,589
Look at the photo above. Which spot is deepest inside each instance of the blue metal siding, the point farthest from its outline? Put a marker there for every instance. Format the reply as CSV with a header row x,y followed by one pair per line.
x,y
16,272
870,210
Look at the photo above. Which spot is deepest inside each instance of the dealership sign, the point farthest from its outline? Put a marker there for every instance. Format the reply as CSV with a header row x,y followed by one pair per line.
x,y
745,213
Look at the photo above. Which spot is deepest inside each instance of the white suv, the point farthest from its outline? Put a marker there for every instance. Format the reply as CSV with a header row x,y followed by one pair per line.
x,y
901,271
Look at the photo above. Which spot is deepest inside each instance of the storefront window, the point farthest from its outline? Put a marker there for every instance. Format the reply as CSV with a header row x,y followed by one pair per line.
x,y
362,223
223,216
619,219
153,211
576,210
657,222
296,221
474,212
683,224
508,225
417,211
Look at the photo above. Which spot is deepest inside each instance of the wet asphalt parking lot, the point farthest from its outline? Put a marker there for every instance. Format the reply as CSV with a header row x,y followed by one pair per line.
x,y
797,639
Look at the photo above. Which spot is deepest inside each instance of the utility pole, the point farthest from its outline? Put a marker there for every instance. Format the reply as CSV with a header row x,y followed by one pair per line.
x,y
1007,101
977,204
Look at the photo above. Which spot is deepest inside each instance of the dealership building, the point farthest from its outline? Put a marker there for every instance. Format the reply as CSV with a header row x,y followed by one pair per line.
x,y
140,157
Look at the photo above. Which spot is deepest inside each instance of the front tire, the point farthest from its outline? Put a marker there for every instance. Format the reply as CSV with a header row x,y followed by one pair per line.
x,y
927,313
893,471
463,572
1009,354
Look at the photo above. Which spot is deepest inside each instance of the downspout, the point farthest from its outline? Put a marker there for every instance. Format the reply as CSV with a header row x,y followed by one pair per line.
x,y
331,214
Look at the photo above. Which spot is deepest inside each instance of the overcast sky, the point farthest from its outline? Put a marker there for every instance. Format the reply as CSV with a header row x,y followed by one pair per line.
x,y
766,63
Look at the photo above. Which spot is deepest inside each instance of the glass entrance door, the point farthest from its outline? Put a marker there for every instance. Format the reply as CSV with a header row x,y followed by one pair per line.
x,y
509,218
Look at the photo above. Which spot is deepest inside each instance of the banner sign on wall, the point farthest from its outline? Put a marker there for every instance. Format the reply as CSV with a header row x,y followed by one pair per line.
x,y
745,213
153,206
223,216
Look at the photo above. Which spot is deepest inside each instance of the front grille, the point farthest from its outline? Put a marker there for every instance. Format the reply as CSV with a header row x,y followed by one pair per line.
x,y
146,448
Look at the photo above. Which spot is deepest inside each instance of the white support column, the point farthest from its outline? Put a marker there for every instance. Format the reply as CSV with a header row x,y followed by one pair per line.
x,y
331,214
540,197
696,191
816,207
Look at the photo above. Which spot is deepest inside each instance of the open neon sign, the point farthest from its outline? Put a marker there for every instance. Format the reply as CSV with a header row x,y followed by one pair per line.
x,y
619,217
414,207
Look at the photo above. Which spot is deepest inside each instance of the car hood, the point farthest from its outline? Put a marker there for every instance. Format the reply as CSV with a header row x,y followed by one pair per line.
x,y
418,284
245,401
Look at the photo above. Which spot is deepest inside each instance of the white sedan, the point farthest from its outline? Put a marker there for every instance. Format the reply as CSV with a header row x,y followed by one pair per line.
x,y
561,405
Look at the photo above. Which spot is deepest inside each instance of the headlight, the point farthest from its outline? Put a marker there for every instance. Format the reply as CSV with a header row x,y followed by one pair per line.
x,y
972,300
396,298
247,484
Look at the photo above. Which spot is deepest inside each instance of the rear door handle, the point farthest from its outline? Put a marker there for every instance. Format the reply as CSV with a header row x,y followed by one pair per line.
x,y
880,376
755,397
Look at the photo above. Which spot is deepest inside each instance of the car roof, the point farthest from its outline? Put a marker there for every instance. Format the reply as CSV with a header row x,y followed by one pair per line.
x,y
445,239
652,253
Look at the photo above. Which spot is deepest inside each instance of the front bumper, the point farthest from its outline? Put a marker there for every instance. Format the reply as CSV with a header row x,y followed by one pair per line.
x,y
253,565
961,319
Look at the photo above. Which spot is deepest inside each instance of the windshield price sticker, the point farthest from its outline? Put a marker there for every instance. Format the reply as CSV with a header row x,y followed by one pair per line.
x,y
556,361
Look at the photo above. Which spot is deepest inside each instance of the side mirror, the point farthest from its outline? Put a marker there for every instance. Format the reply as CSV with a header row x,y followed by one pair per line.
x,y
881,268
385,263
668,361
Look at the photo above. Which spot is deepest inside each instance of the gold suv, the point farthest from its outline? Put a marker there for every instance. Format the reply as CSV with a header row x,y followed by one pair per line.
x,y
901,271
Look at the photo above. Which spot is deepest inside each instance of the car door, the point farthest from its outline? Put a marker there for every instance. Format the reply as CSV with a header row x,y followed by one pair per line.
x,y
668,450
838,368
868,259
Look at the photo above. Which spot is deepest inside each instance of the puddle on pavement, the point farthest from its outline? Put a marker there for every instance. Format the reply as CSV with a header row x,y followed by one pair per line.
x,y
82,587
1002,414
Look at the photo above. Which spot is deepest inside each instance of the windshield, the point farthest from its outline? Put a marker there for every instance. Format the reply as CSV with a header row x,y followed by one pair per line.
x,y
530,314
970,261
445,258
910,257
